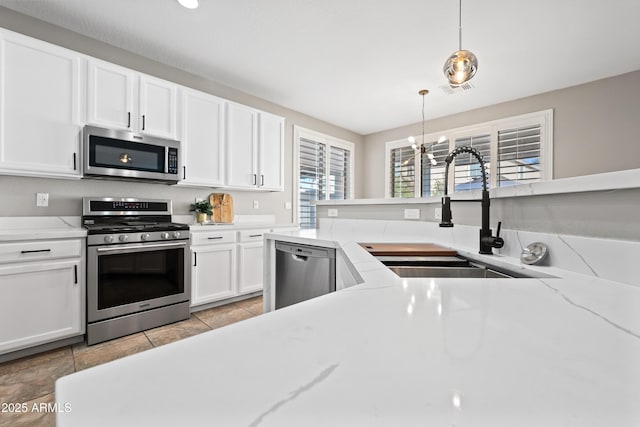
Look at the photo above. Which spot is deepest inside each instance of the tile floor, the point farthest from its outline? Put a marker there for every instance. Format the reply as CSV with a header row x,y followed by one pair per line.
x,y
31,379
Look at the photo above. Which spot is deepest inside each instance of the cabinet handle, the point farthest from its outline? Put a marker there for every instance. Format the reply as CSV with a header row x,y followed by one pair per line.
x,y
255,179
75,274
255,235
214,238
35,251
128,119
261,180
143,122
195,259
184,172
75,167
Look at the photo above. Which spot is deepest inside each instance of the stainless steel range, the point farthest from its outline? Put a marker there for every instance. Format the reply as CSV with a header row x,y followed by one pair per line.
x,y
137,266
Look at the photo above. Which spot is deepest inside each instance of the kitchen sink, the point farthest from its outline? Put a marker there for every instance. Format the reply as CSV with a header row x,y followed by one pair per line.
x,y
450,266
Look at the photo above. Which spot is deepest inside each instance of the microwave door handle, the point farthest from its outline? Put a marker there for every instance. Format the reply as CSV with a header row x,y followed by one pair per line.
x,y
166,159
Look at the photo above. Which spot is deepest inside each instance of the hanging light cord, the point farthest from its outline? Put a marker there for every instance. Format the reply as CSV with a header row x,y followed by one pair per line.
x,y
460,25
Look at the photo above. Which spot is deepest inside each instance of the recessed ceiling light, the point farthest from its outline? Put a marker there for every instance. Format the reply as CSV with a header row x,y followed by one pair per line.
x,y
189,4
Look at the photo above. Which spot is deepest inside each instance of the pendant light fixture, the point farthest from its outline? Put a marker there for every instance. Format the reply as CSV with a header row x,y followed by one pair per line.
x,y
421,147
462,65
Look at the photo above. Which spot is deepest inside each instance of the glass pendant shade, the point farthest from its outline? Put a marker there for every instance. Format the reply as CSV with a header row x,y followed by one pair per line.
x,y
460,67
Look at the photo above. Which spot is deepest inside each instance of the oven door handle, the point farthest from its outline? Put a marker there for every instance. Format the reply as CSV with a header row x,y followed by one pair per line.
x,y
129,248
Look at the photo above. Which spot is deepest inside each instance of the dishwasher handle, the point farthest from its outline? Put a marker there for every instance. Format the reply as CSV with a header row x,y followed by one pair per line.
x,y
304,251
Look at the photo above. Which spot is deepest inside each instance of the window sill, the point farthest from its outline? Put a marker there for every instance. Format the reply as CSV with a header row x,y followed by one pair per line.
x,y
599,182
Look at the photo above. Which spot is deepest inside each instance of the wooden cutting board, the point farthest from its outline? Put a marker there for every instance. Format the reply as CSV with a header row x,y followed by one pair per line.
x,y
222,207
412,249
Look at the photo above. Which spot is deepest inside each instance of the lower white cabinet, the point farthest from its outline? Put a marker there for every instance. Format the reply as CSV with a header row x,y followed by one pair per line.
x,y
213,266
41,297
250,261
226,264
213,273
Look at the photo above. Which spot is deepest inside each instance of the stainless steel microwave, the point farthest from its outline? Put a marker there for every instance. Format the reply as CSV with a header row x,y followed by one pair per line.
x,y
120,154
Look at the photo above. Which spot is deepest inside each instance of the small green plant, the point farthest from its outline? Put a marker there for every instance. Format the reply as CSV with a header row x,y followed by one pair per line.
x,y
203,207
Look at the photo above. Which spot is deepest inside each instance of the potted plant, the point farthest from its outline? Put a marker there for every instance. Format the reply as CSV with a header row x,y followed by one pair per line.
x,y
202,209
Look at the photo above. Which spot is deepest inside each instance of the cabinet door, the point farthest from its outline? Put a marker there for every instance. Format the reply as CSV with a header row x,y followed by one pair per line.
x,y
202,138
250,267
241,146
213,273
40,107
271,147
110,91
158,107
40,303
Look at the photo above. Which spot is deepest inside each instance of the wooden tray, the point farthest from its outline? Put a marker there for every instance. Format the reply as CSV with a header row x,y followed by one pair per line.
x,y
222,207
412,249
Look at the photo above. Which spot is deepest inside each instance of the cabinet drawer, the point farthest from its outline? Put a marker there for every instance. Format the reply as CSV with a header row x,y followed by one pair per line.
x,y
212,237
36,250
251,235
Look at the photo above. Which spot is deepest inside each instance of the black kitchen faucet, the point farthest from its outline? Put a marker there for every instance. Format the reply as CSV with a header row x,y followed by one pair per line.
x,y
487,240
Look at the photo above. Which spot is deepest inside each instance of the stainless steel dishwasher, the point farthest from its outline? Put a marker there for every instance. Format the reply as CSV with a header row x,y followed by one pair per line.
x,y
303,272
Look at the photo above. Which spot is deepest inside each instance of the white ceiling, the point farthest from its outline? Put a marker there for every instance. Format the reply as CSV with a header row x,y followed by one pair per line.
x,y
360,63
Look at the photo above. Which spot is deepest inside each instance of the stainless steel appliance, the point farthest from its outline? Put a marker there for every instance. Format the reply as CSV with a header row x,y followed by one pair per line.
x,y
137,266
303,272
120,154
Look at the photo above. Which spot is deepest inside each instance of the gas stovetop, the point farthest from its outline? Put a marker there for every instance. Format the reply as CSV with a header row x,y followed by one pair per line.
x,y
127,227
126,220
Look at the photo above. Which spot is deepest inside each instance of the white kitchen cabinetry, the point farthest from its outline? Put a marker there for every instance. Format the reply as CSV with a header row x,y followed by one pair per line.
x,y
255,143
250,260
41,292
40,104
271,152
120,98
213,266
109,95
202,139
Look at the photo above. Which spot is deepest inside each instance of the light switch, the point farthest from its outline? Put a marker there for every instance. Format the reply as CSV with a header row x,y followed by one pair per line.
x,y
412,214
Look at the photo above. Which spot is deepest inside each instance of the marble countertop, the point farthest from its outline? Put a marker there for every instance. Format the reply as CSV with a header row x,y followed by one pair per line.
x,y
46,227
391,352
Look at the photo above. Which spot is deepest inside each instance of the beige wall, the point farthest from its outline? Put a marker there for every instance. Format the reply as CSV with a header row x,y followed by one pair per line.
x,y
595,129
18,193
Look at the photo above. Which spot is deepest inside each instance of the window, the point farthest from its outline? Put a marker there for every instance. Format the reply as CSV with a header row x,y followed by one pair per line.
x,y
519,155
403,165
516,150
324,172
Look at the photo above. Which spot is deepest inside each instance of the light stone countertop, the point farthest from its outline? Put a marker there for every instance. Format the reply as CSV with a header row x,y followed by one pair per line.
x,y
391,352
45,227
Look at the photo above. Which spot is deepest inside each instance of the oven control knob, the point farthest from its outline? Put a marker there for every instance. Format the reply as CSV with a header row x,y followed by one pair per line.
x,y
108,239
145,236
123,238
176,234
164,235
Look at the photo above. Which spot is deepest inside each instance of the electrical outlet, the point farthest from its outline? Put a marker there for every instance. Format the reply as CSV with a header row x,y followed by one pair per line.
x,y
42,199
412,214
438,213
256,204
332,212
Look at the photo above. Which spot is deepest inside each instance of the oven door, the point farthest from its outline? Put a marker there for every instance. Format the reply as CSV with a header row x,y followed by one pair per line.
x,y
125,279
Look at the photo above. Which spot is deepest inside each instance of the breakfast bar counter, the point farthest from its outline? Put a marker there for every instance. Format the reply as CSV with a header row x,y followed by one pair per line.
x,y
390,352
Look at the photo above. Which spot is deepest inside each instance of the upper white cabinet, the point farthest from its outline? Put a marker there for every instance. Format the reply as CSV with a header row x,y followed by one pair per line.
x,y
40,104
118,97
271,152
158,107
255,142
109,95
202,139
